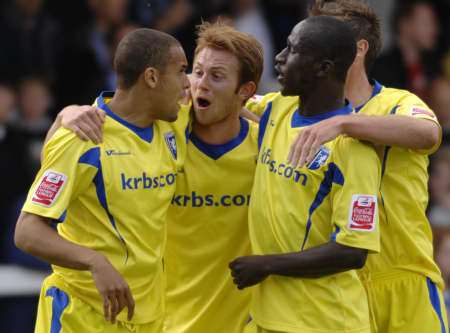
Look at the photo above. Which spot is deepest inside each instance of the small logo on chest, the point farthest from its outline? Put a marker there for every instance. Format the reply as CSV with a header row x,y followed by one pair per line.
x,y
320,158
113,152
171,142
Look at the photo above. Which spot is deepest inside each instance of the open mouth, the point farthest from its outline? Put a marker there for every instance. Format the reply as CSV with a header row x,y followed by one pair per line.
x,y
202,102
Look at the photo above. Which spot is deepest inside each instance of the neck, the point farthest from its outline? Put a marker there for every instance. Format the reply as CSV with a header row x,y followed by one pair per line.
x,y
220,132
130,107
358,89
318,102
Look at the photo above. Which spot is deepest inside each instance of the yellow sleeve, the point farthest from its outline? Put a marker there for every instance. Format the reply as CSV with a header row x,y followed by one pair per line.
x,y
412,106
357,170
258,103
67,170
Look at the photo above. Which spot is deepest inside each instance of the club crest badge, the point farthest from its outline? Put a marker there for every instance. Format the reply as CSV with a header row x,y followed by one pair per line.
x,y
171,143
320,158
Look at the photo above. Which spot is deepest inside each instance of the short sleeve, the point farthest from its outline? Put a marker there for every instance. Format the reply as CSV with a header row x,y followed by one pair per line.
x,y
412,106
354,201
68,168
258,103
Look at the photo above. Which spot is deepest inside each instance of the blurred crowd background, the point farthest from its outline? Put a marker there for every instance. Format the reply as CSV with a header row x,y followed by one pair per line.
x,y
54,53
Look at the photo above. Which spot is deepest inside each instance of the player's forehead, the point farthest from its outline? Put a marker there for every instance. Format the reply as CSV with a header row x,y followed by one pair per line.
x,y
212,58
177,57
297,33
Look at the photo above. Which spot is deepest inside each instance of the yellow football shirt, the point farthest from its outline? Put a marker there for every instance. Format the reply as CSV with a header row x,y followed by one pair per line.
x,y
207,229
293,209
112,198
406,237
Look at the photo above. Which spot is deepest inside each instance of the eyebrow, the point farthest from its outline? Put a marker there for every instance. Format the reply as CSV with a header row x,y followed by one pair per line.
x,y
216,67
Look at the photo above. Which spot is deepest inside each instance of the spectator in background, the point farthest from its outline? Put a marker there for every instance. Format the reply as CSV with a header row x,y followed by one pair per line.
x,y
21,140
411,64
13,165
90,49
440,103
439,209
176,17
16,314
35,101
282,16
31,40
247,16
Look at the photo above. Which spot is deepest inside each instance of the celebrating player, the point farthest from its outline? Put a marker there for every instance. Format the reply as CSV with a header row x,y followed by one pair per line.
x,y
208,218
403,281
310,227
111,199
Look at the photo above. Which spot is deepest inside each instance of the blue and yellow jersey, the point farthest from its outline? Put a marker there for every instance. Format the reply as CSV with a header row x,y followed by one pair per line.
x,y
406,237
112,198
207,229
334,198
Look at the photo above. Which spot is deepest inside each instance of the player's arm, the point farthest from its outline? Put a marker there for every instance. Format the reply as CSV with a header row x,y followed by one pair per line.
x,y
355,170
84,120
35,236
63,177
392,130
326,259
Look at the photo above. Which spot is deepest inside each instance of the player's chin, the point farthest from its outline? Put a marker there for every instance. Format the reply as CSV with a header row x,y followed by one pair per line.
x,y
286,91
172,118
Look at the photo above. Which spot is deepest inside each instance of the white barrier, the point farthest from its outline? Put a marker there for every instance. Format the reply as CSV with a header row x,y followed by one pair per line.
x,y
19,281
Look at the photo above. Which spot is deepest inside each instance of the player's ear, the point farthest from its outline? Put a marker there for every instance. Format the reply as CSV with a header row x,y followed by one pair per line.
x,y
325,67
151,76
362,47
247,90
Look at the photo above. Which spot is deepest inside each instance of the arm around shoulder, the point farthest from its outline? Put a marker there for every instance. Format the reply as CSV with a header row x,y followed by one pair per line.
x,y
393,130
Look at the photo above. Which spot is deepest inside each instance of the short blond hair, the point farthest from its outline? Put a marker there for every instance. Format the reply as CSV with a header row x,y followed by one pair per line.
x,y
245,47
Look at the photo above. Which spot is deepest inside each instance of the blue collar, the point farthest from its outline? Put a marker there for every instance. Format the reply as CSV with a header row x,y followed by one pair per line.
x,y
376,90
299,120
216,151
145,133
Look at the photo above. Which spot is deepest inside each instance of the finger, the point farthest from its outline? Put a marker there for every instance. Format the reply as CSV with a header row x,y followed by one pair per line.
x,y
121,300
79,133
106,307
294,152
101,114
312,153
94,116
91,130
305,150
129,304
114,306
300,148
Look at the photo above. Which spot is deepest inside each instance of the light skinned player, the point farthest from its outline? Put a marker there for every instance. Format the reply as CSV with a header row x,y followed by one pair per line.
x,y
107,250
403,281
207,221
310,227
